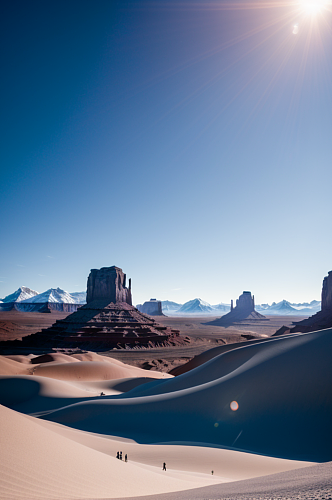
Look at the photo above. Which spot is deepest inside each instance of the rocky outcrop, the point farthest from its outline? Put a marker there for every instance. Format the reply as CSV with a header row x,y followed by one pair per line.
x,y
108,284
244,310
320,320
108,320
152,307
327,293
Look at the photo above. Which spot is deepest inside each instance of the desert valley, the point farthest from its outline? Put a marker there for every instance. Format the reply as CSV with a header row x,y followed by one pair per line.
x,y
234,410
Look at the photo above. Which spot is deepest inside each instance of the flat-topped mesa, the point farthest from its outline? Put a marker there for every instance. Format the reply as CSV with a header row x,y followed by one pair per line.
x,y
153,307
244,310
108,284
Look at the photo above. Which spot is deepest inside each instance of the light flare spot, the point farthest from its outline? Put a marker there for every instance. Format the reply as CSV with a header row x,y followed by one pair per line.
x,y
312,7
234,405
295,29
216,424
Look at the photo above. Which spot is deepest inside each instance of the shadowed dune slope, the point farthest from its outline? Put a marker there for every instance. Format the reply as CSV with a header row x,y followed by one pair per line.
x,y
211,353
282,387
34,394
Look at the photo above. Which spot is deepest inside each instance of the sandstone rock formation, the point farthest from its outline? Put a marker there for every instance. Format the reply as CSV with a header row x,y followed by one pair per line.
x,y
109,285
244,310
106,321
320,320
152,307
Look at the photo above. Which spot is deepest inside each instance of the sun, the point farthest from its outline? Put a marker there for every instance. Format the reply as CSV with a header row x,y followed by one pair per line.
x,y
312,7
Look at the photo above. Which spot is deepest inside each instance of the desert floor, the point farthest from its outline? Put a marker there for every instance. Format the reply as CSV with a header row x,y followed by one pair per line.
x,y
60,436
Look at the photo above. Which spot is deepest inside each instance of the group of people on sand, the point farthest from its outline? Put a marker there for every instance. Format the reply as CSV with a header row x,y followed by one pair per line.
x,y
119,456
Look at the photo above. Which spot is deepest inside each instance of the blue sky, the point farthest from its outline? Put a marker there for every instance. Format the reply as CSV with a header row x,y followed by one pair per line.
x,y
188,143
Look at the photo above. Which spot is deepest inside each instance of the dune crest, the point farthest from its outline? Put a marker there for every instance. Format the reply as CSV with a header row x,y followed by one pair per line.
x,y
284,406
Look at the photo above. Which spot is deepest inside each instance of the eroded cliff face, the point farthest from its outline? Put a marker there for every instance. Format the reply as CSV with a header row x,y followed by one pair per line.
x,y
245,304
327,293
108,284
319,321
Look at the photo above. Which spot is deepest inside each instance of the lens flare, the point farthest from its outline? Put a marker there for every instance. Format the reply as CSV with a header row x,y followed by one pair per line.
x,y
312,7
234,405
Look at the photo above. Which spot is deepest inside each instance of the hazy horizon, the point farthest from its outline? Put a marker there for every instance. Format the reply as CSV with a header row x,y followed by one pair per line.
x,y
188,143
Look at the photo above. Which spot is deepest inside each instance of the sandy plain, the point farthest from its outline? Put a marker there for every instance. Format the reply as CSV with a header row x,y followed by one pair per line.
x,y
59,436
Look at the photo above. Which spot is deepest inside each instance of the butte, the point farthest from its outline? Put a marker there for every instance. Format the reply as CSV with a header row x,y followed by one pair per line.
x,y
107,320
244,310
320,320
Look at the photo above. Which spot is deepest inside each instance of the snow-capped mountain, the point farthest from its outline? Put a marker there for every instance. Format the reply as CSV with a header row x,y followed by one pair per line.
x,y
285,308
168,305
79,297
23,293
52,295
196,306
222,307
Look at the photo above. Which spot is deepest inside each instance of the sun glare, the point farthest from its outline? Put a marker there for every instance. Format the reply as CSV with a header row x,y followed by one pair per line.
x,y
312,7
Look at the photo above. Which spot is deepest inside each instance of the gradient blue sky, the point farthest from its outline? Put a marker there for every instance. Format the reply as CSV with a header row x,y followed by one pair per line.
x,y
189,143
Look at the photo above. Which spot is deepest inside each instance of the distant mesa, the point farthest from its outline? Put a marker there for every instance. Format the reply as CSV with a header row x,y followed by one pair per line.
x,y
322,319
108,320
153,307
244,310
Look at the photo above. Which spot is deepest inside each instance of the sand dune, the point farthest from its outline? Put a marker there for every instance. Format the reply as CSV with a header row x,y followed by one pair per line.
x,y
34,394
39,464
87,366
89,370
205,356
282,414
227,464
282,390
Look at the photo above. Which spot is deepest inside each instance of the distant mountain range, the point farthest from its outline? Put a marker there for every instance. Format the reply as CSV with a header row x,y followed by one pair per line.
x,y
53,296
25,299
198,306
285,308
26,295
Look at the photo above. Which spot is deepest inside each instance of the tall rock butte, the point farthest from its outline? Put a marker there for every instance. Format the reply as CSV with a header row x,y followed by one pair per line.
x,y
107,320
244,310
108,284
320,320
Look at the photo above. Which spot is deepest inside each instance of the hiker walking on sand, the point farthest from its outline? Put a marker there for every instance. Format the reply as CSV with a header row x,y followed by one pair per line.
x,y
164,466
126,457
117,455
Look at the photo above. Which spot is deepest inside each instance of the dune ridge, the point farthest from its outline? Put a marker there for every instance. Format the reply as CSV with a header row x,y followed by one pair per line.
x,y
280,394
284,408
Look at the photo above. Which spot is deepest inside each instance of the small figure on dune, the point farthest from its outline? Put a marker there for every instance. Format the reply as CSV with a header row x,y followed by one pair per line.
x,y
120,455
102,394
117,455
126,457
212,472
164,466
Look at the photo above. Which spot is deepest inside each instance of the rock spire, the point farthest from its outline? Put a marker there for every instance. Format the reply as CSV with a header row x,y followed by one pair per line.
x,y
244,310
